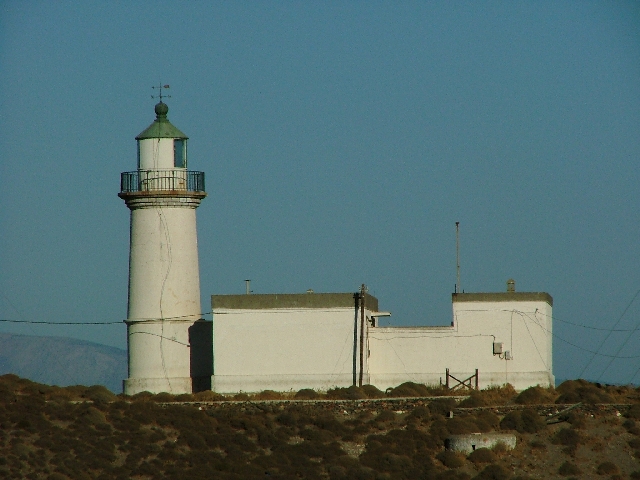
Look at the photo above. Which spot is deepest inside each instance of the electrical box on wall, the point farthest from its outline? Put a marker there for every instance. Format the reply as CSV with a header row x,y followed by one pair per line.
x,y
497,348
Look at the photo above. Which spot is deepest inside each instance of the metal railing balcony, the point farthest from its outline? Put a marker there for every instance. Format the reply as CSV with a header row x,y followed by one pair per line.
x,y
161,180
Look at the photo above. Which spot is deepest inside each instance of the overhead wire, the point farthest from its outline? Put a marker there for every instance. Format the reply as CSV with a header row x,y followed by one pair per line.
x,y
609,335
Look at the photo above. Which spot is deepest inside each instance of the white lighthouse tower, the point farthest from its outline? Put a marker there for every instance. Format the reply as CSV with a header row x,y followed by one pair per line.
x,y
164,282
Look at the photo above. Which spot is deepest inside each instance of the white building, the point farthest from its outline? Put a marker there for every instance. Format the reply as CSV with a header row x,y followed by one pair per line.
x,y
164,283
312,340
295,341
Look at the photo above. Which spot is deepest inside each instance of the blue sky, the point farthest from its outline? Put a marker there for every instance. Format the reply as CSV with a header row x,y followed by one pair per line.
x,y
341,142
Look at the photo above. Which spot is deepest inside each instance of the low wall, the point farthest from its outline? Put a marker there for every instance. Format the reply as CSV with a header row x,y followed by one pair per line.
x,y
472,441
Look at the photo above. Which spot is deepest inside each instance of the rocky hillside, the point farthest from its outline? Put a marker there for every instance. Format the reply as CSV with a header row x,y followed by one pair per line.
x,y
89,433
62,361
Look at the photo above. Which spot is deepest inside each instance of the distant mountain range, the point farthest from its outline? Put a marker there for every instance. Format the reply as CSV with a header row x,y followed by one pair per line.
x,y
63,361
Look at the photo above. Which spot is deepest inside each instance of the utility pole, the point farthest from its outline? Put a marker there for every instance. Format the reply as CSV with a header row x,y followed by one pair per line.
x,y
457,257
362,296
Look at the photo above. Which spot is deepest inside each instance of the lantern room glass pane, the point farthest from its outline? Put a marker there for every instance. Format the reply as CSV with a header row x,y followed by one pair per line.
x,y
179,153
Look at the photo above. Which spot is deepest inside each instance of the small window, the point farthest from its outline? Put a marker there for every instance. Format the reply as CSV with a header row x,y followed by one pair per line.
x,y
179,153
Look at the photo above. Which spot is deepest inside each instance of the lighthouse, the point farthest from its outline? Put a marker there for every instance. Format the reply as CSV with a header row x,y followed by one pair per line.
x,y
164,283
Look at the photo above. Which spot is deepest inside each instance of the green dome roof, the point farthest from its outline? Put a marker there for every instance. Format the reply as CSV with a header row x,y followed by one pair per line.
x,y
161,127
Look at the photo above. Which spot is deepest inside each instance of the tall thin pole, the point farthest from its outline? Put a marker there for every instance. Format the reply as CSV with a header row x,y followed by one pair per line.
x,y
362,290
457,257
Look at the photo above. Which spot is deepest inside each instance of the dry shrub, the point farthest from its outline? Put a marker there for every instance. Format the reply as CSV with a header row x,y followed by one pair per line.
x,y
92,416
307,394
409,389
500,448
523,421
475,399
99,393
607,468
581,391
635,443
536,396
287,418
494,472
537,445
631,427
568,468
576,420
442,406
482,455
498,395
184,397
142,396
450,459
385,416
462,425
348,393
487,421
163,397
635,474
568,437
372,391
419,413
241,397
208,396
451,475
268,395
633,412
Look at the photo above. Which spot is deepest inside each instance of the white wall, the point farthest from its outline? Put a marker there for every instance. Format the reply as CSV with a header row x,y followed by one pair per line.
x,y
164,277
156,153
422,354
284,349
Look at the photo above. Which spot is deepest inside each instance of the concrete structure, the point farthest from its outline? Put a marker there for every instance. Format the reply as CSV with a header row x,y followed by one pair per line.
x,y
472,441
289,342
507,337
164,284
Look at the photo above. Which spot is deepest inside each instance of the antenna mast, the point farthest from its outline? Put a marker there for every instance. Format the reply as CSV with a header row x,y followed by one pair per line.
x,y
457,257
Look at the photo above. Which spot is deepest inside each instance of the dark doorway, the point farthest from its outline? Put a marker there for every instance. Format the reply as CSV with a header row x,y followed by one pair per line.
x,y
201,341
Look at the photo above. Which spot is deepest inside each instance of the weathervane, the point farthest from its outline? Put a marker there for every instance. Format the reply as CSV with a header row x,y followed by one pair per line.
x,y
160,96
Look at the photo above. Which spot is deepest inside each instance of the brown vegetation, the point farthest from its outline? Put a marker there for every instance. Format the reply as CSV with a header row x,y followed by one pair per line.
x,y
87,432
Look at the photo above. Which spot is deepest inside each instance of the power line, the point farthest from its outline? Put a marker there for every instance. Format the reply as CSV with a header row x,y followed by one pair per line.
x,y
57,323
607,337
